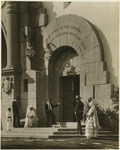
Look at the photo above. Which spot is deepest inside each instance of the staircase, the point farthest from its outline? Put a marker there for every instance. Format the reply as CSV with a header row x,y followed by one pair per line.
x,y
70,131
62,130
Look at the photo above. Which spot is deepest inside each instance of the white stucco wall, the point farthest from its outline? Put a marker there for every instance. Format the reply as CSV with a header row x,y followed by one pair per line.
x,y
104,16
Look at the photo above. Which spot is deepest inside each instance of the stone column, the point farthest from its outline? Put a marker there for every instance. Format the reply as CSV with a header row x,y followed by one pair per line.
x,y
12,34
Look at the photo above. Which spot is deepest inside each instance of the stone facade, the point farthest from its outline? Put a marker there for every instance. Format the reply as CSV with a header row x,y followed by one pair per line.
x,y
45,51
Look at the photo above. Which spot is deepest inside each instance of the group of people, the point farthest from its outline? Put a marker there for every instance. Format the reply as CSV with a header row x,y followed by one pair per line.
x,y
88,114
85,112
31,119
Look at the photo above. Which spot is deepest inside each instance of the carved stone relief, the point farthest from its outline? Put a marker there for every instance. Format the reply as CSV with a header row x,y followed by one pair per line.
x,y
28,35
7,84
71,67
67,64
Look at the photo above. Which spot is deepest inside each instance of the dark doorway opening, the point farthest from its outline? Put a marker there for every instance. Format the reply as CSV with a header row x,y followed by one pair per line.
x,y
68,90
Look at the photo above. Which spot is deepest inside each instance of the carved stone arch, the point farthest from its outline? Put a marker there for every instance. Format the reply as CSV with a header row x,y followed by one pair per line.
x,y
74,31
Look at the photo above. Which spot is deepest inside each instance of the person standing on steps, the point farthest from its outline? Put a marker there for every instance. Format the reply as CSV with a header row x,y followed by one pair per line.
x,y
9,120
16,114
79,107
92,123
49,112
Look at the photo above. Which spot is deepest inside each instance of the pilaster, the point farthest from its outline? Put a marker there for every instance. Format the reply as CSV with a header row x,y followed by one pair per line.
x,y
11,73
12,35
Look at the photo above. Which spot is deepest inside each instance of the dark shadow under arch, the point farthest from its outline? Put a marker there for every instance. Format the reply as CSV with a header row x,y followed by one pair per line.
x,y
4,51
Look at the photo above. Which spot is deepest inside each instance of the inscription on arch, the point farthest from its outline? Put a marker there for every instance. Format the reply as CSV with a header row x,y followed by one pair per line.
x,y
56,33
73,31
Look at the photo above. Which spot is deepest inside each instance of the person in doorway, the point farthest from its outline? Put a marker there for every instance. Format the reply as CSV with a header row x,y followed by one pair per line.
x,y
31,119
79,107
92,123
49,112
9,120
16,114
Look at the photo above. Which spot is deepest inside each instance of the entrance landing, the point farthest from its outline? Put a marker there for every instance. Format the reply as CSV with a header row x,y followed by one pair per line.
x,y
41,132
68,131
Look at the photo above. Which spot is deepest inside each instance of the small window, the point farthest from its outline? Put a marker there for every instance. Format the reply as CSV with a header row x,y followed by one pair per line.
x,y
25,83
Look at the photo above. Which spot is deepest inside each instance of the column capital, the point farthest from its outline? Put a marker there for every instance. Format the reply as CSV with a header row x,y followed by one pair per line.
x,y
12,7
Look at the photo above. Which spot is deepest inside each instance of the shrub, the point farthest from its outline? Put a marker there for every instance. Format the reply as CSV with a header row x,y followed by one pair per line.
x,y
115,100
110,118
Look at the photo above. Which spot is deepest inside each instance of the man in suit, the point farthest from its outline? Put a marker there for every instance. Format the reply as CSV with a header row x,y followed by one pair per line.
x,y
16,115
79,107
49,112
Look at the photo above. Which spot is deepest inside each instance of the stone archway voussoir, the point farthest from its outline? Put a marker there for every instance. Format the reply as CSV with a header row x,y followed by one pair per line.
x,y
93,55
76,32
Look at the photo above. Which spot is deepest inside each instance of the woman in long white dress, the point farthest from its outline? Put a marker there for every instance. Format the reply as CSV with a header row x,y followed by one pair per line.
x,y
31,117
35,118
92,123
9,120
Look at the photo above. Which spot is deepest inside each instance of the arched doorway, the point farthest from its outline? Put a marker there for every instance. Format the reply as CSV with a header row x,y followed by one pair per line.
x,y
71,39
64,81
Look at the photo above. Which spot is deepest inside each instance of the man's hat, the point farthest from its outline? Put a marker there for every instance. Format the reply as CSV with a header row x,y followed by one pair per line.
x,y
9,108
77,97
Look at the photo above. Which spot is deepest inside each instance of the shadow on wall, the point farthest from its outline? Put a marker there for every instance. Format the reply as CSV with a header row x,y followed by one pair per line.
x,y
4,51
107,56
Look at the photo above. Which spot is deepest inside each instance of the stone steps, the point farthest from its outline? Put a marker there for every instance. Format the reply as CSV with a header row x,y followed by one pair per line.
x,y
68,131
75,129
75,132
80,136
72,132
68,125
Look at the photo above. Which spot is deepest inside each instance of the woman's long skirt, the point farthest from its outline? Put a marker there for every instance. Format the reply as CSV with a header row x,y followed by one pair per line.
x,y
90,130
9,125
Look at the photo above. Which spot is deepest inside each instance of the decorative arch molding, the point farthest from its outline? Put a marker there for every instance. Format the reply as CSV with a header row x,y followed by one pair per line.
x,y
76,32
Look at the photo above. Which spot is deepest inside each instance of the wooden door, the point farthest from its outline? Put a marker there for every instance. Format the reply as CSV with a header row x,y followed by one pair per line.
x,y
70,88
